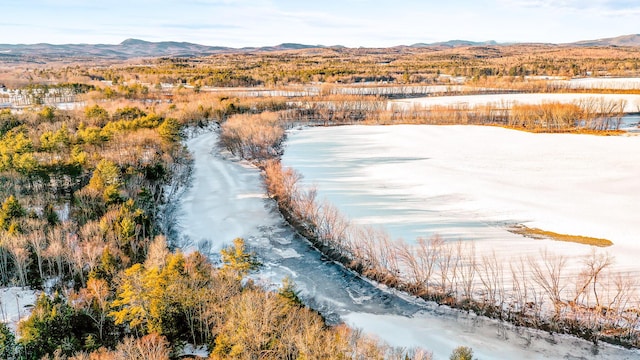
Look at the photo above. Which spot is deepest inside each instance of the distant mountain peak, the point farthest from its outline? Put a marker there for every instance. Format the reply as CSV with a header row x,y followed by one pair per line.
x,y
136,48
131,41
296,46
456,43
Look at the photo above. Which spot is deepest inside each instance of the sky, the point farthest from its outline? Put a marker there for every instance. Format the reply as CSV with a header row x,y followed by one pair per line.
x,y
353,23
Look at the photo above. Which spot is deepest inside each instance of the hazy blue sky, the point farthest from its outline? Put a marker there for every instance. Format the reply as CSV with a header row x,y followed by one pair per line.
x,y
240,23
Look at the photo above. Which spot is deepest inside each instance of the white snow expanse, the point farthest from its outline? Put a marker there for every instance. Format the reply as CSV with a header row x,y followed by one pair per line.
x,y
489,339
507,100
224,202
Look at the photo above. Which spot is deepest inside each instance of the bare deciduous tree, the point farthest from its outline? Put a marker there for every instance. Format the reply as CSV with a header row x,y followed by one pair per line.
x,y
468,268
547,273
17,245
38,241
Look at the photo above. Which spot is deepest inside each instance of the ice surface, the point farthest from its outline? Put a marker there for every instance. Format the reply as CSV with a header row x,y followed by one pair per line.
x,y
473,182
489,339
603,83
225,200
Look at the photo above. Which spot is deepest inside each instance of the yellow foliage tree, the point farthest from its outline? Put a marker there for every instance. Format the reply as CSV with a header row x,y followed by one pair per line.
x,y
237,260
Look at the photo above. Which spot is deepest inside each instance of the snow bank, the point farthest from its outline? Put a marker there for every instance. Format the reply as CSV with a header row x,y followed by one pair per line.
x,y
489,339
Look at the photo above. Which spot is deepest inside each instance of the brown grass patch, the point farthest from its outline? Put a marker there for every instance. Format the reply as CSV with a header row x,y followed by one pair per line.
x,y
580,131
543,234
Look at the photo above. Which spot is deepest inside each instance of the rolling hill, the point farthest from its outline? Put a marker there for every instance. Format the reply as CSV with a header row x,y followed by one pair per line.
x,y
625,40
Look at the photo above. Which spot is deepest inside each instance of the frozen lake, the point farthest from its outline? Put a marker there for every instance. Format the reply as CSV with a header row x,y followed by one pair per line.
x,y
471,183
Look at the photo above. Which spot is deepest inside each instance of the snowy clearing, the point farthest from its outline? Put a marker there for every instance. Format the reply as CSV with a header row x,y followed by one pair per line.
x,y
15,305
195,351
338,294
508,100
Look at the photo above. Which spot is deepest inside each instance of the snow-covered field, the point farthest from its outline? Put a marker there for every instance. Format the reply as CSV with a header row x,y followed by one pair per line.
x,y
70,105
224,202
506,100
355,89
472,183
396,90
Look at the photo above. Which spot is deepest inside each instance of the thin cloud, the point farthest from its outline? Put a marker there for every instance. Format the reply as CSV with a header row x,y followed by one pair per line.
x,y
620,6
201,26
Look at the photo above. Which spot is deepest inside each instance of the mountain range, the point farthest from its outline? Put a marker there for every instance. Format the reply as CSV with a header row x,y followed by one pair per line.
x,y
135,48
130,48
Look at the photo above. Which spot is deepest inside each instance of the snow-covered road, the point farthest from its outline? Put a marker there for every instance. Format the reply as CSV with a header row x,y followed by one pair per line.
x,y
225,201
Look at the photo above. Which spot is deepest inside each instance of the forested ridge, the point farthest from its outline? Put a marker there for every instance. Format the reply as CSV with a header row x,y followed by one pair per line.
x,y
488,65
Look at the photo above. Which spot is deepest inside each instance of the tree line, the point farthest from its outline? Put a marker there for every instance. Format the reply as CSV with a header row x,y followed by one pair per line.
x,y
597,115
411,65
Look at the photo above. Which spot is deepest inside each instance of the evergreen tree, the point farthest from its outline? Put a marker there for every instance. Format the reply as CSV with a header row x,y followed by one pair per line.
x,y
7,342
53,325
237,260
169,130
462,353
